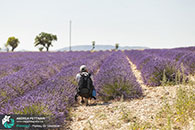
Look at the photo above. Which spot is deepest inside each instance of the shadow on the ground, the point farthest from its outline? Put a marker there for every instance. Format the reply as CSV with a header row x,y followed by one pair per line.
x,y
97,103
100,104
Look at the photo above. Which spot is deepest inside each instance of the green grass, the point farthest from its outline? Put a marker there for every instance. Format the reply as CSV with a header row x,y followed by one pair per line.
x,y
117,89
34,109
138,125
169,76
177,115
181,112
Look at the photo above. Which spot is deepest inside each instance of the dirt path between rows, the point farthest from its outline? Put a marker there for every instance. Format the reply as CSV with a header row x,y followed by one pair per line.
x,y
119,115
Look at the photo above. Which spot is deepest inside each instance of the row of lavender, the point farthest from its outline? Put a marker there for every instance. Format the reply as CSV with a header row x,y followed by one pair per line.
x,y
192,48
56,94
151,67
116,78
183,56
13,62
155,64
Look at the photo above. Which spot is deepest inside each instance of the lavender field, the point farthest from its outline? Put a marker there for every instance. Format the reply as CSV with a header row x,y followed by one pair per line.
x,y
44,82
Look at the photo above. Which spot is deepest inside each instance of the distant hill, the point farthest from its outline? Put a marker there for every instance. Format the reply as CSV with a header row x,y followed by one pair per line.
x,y
88,47
100,47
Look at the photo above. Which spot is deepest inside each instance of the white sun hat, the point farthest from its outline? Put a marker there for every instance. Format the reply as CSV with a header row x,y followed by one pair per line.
x,y
83,68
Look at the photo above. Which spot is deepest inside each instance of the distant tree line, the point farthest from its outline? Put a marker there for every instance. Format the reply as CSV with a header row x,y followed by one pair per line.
x,y
43,40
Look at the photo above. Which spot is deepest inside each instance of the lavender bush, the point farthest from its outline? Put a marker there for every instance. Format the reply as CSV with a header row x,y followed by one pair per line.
x,y
115,78
152,67
179,55
192,48
188,61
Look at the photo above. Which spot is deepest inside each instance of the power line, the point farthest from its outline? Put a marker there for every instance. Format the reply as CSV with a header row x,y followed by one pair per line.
x,y
70,36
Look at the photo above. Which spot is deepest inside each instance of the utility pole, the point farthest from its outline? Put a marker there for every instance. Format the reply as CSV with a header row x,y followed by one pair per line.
x,y
70,36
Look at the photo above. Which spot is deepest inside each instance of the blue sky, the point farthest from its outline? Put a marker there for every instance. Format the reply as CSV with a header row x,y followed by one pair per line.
x,y
151,23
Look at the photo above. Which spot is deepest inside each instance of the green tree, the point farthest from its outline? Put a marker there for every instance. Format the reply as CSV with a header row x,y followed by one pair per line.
x,y
12,42
116,46
45,40
93,45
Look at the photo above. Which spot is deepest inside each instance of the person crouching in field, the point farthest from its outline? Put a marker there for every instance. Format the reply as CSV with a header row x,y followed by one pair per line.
x,y
85,85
